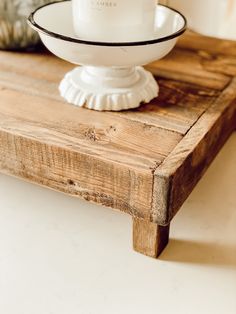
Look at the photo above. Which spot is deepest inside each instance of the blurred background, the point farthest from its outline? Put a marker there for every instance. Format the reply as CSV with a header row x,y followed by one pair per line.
x,y
209,17
15,34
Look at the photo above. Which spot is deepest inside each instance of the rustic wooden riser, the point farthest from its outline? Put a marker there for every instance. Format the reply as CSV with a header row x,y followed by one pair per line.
x,y
144,162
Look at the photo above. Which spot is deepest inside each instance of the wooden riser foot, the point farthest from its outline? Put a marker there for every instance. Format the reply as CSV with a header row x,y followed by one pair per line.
x,y
149,238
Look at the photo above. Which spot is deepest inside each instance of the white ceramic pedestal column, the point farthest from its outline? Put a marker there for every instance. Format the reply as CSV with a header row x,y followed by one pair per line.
x,y
108,88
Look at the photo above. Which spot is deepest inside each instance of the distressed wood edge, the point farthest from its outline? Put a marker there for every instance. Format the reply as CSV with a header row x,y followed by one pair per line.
x,y
149,238
175,165
69,185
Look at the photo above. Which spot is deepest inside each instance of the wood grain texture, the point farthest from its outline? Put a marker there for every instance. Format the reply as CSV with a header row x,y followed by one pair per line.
x,y
76,174
149,238
176,177
145,161
196,42
190,66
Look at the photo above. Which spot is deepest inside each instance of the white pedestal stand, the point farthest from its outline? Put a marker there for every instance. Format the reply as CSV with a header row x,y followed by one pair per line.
x,y
108,88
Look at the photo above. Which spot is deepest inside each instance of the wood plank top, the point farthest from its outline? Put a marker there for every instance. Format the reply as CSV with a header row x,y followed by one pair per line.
x,y
137,161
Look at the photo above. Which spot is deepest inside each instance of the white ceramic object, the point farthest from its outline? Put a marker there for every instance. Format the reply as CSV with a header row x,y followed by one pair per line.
x,y
132,19
209,17
111,77
112,89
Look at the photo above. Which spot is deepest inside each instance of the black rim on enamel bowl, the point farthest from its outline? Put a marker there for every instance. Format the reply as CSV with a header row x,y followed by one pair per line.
x,y
39,28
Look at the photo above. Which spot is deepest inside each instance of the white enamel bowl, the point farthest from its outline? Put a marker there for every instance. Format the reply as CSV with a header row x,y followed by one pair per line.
x,y
111,78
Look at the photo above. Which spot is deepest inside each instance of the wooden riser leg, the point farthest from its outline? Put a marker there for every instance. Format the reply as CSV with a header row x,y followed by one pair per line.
x,y
149,238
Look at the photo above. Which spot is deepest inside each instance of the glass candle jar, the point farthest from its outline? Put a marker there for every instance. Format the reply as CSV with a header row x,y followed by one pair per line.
x,y
114,20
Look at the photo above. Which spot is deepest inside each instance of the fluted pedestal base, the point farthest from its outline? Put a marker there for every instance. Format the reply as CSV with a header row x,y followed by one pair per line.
x,y
107,88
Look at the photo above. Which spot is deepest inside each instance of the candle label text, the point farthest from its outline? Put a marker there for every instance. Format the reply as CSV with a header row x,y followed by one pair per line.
x,y
113,12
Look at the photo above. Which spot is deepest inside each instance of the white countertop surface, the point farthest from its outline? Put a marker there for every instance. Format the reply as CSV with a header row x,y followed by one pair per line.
x,y
61,255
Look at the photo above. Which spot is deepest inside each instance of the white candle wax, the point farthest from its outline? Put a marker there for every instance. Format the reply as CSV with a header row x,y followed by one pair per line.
x,y
114,20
